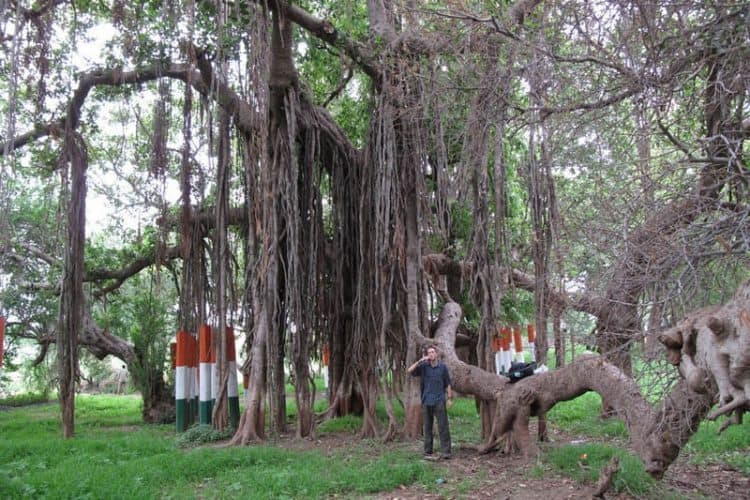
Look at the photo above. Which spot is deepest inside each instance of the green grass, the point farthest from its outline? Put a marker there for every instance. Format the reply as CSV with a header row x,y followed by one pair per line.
x,y
347,423
731,446
115,456
583,462
581,416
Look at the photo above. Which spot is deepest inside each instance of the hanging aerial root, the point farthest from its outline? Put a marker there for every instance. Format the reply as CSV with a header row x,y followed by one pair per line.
x,y
740,404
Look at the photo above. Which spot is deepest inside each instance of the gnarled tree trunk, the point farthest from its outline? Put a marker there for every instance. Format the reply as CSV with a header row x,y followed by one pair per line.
x,y
657,432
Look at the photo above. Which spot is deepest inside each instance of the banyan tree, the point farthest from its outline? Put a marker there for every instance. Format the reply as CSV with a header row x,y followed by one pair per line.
x,y
370,177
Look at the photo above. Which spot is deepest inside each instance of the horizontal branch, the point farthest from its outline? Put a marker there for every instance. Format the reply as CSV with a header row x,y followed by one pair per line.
x,y
225,96
584,302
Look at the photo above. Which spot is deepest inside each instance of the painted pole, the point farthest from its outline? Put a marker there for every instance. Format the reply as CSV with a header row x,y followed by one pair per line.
x,y
2,339
532,340
326,356
214,380
194,387
204,375
233,393
181,384
518,343
505,346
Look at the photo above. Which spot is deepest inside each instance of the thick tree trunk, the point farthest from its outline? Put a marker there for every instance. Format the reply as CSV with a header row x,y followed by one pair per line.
x,y
657,432
302,392
158,399
252,422
413,271
72,301
220,412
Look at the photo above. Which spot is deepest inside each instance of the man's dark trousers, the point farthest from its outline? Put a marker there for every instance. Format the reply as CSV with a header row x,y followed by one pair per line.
x,y
429,412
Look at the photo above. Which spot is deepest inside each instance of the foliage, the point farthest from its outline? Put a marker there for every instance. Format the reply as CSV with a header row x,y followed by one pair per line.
x,y
517,308
40,378
25,399
201,434
347,423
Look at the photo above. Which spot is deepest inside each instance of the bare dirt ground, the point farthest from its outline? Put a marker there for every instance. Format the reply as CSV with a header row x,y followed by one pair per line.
x,y
498,476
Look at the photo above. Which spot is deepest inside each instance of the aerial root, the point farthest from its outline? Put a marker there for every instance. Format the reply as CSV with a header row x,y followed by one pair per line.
x,y
735,404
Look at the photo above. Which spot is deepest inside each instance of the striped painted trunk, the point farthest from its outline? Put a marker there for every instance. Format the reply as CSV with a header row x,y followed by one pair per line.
x,y
233,395
205,375
532,339
518,344
182,393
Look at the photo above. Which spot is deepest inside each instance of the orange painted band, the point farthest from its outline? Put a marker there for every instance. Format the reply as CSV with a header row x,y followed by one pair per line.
x,y
532,333
183,348
517,341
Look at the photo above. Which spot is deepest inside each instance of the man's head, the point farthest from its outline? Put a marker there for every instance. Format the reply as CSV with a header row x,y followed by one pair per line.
x,y
431,352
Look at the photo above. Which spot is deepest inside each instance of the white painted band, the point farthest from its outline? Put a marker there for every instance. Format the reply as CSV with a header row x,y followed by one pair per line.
x,y
205,382
180,382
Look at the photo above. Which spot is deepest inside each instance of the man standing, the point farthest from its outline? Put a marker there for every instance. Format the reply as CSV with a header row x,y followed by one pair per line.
x,y
435,386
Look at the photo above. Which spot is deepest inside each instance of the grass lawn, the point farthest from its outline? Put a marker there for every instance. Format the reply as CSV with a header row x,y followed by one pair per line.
x,y
114,455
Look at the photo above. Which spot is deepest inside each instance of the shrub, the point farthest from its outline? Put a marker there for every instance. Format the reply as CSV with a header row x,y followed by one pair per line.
x,y
202,434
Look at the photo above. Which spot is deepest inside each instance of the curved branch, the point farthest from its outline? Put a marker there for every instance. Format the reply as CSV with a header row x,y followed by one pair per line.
x,y
656,433
224,95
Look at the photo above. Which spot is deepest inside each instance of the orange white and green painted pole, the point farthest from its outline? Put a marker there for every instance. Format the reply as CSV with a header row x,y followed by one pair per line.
x,y
194,406
532,340
182,395
205,375
326,355
506,355
518,344
233,394
497,348
214,385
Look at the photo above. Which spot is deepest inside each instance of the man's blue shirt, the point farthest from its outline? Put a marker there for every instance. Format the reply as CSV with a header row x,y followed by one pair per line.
x,y
434,381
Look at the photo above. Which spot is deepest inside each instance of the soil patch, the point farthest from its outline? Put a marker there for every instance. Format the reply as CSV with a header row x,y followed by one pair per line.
x,y
499,476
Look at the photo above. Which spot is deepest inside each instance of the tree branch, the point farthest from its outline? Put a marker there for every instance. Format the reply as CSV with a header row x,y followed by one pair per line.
x,y
327,32
225,96
440,264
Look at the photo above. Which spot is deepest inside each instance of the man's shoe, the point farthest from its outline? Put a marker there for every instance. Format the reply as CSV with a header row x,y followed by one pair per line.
x,y
430,457
446,457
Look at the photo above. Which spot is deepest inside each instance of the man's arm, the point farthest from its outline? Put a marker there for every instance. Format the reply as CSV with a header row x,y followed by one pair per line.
x,y
413,367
